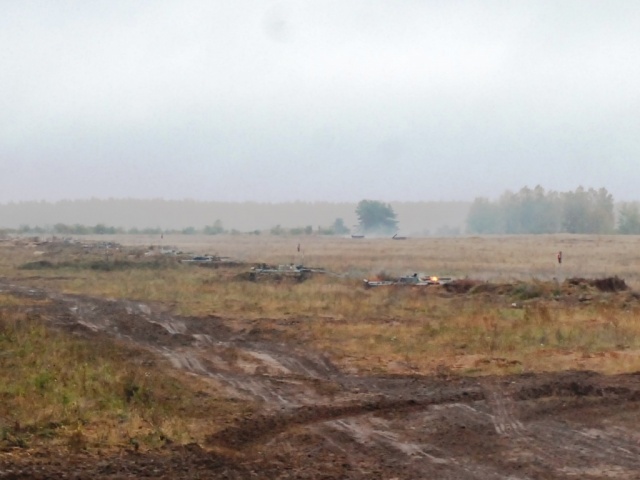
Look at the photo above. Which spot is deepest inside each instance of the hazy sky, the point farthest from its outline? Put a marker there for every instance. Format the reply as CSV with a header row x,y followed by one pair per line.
x,y
317,100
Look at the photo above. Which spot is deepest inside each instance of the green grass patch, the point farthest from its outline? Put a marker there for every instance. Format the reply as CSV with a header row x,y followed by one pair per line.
x,y
95,392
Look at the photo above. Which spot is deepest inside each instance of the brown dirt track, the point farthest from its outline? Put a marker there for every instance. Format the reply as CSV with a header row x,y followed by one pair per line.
x,y
316,422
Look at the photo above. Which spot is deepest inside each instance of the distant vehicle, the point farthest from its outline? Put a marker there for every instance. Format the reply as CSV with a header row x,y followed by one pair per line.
x,y
414,280
199,259
208,259
279,272
290,269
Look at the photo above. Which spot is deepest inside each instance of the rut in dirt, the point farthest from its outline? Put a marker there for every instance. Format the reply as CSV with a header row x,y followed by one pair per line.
x,y
556,425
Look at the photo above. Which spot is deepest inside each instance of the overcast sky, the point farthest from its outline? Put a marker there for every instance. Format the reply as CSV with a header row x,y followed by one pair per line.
x,y
317,100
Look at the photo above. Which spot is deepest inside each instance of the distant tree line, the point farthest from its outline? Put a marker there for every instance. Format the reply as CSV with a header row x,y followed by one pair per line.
x,y
337,228
629,218
528,211
63,229
416,217
533,211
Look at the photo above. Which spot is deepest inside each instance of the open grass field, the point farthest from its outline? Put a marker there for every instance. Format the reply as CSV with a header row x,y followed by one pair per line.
x,y
128,348
384,329
493,258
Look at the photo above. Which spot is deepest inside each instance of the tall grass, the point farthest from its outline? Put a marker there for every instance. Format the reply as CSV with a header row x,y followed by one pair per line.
x,y
84,393
489,257
410,329
95,393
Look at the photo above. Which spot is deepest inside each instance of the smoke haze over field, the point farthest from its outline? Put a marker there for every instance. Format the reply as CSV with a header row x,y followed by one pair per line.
x,y
277,101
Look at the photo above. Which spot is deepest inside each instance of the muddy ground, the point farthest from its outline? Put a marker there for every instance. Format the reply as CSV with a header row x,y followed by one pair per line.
x,y
316,422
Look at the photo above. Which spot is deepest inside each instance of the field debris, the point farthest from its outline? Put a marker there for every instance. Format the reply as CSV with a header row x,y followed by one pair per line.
x,y
580,289
415,280
201,259
607,284
278,273
213,261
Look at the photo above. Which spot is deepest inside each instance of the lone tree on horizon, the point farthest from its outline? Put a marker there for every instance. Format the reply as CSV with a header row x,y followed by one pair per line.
x,y
375,216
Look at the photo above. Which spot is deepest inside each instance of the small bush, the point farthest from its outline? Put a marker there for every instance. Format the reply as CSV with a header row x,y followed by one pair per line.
x,y
527,291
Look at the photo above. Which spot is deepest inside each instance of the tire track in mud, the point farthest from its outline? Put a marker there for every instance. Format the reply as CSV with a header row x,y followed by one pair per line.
x,y
358,415
423,460
240,435
561,447
582,451
197,345
507,425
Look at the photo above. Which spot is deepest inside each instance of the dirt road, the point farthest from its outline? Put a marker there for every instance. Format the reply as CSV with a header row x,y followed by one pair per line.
x,y
318,422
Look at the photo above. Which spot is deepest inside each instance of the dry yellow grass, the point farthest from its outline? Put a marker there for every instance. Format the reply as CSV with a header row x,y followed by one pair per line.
x,y
486,257
391,330
62,388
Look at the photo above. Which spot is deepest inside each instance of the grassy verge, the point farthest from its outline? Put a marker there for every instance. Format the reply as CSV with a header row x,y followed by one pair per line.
x,y
88,393
476,337
553,326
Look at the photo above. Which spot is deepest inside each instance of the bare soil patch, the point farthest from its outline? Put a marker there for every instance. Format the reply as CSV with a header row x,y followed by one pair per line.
x,y
316,421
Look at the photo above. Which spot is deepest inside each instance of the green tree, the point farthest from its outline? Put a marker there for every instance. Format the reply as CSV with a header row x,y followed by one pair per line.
x,y
102,229
214,229
278,230
629,219
575,211
485,217
588,211
62,229
531,211
375,216
78,229
339,228
603,219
